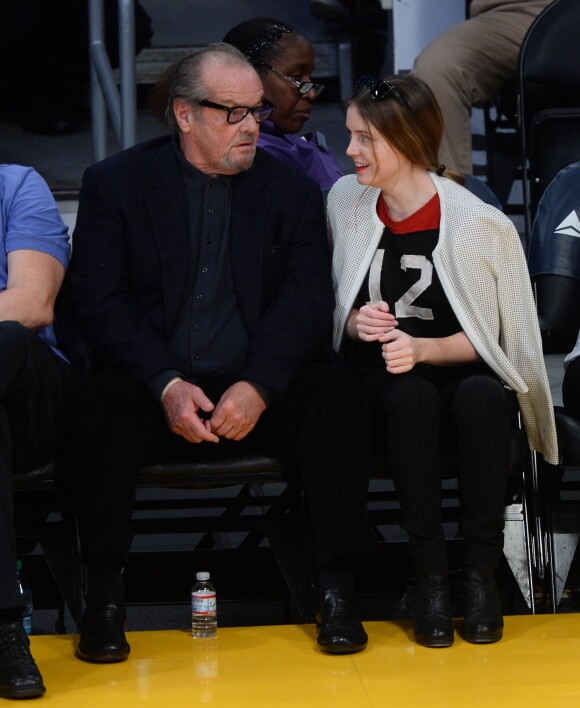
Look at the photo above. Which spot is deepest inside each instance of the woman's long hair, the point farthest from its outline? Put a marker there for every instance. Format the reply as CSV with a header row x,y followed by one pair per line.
x,y
408,117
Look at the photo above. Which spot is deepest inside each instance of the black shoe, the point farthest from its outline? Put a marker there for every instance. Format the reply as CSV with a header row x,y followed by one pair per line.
x,y
433,625
19,675
339,629
483,623
102,634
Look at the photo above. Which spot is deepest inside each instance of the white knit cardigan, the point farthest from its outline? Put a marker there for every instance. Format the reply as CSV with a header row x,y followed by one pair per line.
x,y
481,265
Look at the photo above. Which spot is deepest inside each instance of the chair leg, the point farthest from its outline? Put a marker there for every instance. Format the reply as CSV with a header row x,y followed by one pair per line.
x,y
288,542
59,545
517,553
564,548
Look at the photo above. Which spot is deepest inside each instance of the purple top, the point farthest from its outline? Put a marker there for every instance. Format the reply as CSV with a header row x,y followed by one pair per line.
x,y
308,153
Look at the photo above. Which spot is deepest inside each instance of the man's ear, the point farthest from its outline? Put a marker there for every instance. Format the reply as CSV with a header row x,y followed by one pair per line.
x,y
183,112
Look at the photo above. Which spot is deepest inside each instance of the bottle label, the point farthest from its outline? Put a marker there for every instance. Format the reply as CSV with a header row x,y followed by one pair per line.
x,y
27,623
203,603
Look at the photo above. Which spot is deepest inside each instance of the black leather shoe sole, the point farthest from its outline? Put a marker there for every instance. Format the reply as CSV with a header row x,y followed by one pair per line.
x,y
23,692
434,642
107,656
341,645
482,636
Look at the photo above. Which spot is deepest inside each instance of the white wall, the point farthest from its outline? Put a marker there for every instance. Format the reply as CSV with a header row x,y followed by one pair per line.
x,y
417,22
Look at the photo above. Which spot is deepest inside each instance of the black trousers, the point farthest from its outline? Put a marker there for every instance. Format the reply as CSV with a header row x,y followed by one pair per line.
x,y
321,425
571,388
37,395
417,417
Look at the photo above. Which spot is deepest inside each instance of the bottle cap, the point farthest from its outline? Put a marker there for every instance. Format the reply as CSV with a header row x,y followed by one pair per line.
x,y
18,565
202,576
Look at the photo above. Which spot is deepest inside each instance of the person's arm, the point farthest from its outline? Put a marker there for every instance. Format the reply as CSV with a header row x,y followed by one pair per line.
x,y
401,351
37,248
104,274
34,279
297,317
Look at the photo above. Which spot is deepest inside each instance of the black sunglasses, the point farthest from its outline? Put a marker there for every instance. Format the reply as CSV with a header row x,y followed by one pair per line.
x,y
236,114
303,87
379,89
271,34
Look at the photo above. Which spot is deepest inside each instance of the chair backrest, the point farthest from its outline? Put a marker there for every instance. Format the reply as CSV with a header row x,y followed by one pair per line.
x,y
554,260
549,98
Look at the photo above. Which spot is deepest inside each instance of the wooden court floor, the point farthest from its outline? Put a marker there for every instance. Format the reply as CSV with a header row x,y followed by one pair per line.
x,y
536,664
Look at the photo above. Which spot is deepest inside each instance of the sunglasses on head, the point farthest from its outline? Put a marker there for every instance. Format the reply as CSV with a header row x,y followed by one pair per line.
x,y
379,89
271,34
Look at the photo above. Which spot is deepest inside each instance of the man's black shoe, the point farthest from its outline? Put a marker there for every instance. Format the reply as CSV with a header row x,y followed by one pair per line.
x,y
339,629
433,626
483,619
19,675
102,634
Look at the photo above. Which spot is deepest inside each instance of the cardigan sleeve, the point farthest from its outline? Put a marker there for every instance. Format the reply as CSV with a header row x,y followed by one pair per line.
x,y
520,339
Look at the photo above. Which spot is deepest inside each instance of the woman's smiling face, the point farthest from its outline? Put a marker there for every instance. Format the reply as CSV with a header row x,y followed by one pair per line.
x,y
376,163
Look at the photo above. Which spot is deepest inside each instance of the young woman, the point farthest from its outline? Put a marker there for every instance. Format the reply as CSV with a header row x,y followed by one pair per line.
x,y
434,298
284,59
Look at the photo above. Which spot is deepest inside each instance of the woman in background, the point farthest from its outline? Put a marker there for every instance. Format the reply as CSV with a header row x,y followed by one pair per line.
x,y
284,60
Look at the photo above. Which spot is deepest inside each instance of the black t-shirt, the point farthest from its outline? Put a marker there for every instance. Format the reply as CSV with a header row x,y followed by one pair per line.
x,y
403,275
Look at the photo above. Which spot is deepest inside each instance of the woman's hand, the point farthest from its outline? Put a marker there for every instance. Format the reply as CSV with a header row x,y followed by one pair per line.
x,y
370,322
400,351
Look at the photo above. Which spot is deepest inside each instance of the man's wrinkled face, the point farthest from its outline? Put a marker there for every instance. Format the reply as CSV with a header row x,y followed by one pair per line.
x,y
207,140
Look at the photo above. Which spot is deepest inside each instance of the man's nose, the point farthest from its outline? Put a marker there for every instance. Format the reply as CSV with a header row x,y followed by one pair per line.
x,y
249,124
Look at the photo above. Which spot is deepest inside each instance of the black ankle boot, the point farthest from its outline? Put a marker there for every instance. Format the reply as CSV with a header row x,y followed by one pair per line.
x,y
433,626
483,621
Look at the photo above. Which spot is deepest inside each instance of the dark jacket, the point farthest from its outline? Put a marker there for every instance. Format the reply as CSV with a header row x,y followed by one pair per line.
x,y
129,271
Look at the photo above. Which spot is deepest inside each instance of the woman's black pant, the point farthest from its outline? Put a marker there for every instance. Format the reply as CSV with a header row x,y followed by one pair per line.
x,y
420,415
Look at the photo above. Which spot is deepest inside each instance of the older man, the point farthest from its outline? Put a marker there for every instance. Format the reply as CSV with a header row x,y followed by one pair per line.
x,y
201,280
37,386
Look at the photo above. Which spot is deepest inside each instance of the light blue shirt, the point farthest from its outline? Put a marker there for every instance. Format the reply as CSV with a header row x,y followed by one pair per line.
x,y
29,219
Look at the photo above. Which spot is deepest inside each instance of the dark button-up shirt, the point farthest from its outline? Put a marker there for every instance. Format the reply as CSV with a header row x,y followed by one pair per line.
x,y
210,336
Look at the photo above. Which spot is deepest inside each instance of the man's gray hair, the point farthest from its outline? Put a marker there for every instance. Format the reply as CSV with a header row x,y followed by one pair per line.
x,y
186,82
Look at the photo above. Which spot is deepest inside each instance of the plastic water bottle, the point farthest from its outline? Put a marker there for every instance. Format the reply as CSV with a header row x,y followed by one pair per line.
x,y
203,608
26,592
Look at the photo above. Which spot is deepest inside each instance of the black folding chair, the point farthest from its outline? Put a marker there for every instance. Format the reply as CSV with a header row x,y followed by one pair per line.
x,y
548,84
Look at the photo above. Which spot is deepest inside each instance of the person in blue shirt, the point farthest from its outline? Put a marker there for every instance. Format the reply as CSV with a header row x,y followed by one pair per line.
x,y
37,385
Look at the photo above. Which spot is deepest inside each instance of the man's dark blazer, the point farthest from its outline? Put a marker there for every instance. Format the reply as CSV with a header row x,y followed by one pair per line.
x,y
131,248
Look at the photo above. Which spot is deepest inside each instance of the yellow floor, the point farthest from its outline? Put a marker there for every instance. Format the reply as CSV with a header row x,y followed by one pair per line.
x,y
536,664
